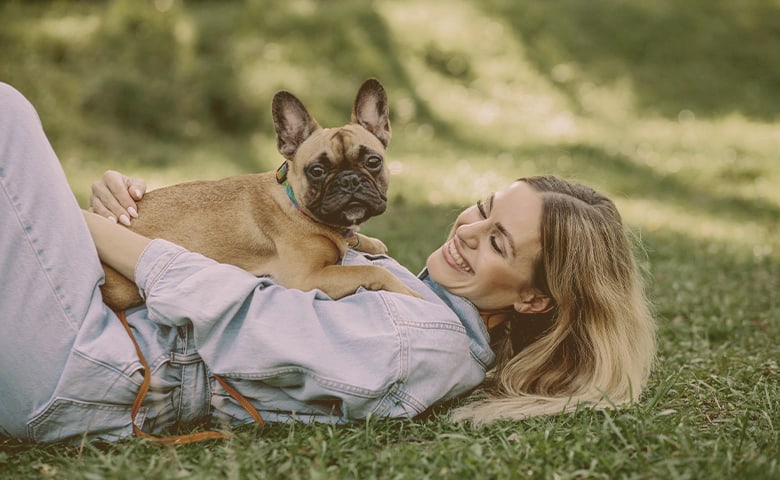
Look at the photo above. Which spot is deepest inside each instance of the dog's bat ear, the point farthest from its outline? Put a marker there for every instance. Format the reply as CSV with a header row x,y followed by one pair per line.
x,y
293,123
371,110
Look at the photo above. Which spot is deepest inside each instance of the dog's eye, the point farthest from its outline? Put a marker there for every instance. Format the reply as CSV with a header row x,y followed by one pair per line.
x,y
316,171
374,162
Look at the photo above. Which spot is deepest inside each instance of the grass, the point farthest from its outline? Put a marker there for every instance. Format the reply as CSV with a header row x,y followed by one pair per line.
x,y
668,106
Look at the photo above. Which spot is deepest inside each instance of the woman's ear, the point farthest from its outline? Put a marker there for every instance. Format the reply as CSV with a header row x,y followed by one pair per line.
x,y
534,301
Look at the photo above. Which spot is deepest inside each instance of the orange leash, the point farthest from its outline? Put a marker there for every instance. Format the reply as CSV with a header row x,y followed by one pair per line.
x,y
250,409
179,439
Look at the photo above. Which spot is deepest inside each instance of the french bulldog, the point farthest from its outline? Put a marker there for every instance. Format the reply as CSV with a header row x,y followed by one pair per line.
x,y
293,224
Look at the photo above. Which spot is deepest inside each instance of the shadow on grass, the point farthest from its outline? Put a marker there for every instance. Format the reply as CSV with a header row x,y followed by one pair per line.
x,y
178,74
350,42
708,56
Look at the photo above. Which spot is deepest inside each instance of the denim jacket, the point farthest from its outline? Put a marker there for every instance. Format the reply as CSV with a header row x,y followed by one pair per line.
x,y
292,354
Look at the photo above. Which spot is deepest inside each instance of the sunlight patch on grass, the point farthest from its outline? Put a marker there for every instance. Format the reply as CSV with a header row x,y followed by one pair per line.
x,y
265,70
612,103
210,160
69,28
460,183
655,215
496,93
710,144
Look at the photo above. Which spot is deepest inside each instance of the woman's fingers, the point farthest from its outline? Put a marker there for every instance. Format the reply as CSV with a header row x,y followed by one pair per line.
x,y
114,196
136,187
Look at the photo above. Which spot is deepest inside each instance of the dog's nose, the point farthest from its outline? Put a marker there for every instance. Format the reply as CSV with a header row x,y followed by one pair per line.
x,y
349,181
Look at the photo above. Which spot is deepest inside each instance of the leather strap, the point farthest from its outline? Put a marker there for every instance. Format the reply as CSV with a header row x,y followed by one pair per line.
x,y
250,409
179,439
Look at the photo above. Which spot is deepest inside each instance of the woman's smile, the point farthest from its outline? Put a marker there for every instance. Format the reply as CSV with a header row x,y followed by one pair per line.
x,y
453,257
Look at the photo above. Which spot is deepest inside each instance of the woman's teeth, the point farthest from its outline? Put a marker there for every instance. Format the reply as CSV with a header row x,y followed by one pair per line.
x,y
458,259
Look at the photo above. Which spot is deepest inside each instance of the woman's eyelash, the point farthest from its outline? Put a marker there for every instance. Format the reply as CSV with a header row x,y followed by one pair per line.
x,y
494,244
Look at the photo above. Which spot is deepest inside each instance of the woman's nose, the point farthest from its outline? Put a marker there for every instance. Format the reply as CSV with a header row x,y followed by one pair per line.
x,y
469,233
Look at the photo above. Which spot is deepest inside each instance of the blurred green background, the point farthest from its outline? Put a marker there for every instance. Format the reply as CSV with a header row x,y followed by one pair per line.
x,y
669,106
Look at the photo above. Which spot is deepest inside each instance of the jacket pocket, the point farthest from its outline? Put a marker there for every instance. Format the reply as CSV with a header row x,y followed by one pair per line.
x,y
67,419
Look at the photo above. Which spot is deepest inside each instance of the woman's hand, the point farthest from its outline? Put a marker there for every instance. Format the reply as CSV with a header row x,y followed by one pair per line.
x,y
114,196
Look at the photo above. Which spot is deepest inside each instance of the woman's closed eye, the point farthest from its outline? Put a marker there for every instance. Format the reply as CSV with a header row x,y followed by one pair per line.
x,y
494,244
493,239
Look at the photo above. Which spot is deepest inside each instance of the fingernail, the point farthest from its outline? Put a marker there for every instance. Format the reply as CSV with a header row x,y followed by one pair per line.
x,y
112,218
124,220
132,212
138,193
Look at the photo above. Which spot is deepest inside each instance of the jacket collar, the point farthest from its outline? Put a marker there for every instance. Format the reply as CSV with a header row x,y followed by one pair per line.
x,y
469,316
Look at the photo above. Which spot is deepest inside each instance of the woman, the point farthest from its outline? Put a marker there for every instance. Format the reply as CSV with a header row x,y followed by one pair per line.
x,y
543,263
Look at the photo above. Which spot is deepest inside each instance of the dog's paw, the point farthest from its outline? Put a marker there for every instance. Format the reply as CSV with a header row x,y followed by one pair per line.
x,y
397,286
370,245
411,293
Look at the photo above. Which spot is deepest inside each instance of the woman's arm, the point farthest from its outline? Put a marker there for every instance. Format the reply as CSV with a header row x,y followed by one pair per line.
x,y
373,352
117,246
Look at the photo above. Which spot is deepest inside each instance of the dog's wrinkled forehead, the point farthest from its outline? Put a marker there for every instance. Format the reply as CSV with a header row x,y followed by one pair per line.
x,y
345,144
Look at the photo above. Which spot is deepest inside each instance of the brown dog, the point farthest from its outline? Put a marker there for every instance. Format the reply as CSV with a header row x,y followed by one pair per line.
x,y
295,224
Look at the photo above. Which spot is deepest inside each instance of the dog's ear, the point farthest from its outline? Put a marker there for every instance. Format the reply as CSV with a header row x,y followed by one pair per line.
x,y
371,110
293,123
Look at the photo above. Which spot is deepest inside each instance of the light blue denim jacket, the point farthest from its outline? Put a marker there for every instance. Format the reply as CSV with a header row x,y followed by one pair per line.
x,y
293,354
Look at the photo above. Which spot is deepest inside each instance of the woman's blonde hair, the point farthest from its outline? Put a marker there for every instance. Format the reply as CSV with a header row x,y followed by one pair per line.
x,y
597,346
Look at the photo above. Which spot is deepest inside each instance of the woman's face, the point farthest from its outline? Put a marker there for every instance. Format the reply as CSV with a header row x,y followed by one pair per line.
x,y
489,255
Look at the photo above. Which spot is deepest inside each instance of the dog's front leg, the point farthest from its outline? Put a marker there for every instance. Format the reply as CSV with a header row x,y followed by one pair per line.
x,y
311,263
338,281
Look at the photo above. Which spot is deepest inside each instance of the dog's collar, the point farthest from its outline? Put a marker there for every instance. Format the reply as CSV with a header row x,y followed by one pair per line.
x,y
352,238
281,179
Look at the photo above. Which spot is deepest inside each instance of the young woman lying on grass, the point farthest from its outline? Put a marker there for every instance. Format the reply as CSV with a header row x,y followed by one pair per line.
x,y
536,287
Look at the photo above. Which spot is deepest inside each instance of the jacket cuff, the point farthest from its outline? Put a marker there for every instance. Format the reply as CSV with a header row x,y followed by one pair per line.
x,y
153,262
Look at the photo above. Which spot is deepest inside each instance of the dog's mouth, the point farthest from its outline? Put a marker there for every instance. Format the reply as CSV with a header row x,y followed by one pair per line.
x,y
354,213
349,214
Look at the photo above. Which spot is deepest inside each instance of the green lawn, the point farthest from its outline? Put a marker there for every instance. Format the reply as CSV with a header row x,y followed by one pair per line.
x,y
671,107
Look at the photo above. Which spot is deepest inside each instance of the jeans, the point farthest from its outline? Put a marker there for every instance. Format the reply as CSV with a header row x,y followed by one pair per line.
x,y
50,303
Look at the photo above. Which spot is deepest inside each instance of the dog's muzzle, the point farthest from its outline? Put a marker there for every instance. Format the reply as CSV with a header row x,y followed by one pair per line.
x,y
350,199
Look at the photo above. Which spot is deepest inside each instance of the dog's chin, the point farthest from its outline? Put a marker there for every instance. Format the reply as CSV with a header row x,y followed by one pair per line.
x,y
356,214
349,215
